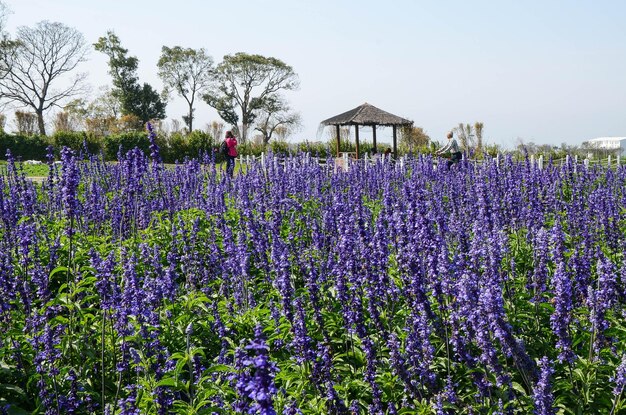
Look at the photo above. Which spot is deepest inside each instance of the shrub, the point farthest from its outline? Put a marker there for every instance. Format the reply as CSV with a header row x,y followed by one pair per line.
x,y
76,140
125,142
24,147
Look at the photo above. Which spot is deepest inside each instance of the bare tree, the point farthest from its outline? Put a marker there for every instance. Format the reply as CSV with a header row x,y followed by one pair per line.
x,y
465,132
478,131
216,129
6,45
25,122
43,55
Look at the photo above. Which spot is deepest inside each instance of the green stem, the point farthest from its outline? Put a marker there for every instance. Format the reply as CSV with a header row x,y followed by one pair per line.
x,y
616,401
102,364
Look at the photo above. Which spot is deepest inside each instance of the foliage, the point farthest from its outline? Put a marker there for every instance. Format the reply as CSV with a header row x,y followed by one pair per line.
x,y
135,99
188,72
276,118
413,138
78,141
24,147
246,84
293,288
116,144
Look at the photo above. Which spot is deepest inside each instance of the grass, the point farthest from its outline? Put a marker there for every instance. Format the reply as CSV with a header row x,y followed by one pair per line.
x,y
41,170
31,170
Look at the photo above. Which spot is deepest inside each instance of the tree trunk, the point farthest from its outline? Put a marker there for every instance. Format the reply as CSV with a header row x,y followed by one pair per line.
x,y
40,123
244,132
190,118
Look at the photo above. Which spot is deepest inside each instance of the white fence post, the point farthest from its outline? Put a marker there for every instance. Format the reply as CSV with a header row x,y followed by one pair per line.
x,y
263,160
532,160
617,160
540,162
498,160
586,163
609,163
345,161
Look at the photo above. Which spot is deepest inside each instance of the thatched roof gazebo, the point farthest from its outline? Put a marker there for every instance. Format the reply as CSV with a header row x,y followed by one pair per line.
x,y
367,114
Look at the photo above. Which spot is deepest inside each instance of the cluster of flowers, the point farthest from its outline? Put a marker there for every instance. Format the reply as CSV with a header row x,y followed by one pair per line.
x,y
296,288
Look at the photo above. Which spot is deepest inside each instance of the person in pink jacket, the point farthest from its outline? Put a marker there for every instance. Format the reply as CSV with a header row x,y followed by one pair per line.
x,y
231,144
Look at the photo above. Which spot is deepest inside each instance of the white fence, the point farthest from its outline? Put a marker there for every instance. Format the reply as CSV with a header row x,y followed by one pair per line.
x,y
345,161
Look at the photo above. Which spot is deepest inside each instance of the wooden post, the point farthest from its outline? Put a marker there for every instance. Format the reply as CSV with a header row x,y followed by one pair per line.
x,y
338,137
346,160
540,162
356,136
395,142
374,137
263,160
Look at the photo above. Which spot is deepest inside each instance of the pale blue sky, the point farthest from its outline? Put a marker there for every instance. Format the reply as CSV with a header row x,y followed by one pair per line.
x,y
543,71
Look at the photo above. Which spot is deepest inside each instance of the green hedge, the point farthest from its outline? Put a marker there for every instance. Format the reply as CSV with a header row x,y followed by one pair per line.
x,y
76,140
174,147
24,147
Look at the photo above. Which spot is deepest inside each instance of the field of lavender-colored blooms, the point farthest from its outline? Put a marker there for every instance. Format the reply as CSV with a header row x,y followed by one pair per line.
x,y
293,288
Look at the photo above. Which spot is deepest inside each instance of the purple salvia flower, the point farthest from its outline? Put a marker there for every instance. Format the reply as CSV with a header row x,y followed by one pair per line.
x,y
542,392
260,387
620,377
561,318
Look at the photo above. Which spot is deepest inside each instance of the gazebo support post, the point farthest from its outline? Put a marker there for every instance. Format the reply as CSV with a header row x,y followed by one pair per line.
x,y
395,142
338,137
374,137
356,136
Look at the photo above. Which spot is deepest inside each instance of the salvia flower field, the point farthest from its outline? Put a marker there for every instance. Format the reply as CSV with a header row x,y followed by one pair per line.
x,y
294,288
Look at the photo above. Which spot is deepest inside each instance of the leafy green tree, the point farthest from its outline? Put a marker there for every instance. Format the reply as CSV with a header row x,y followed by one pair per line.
x,y
39,57
188,72
414,137
276,117
246,84
141,101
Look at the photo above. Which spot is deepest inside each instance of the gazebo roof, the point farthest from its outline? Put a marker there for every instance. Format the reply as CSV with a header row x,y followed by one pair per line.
x,y
366,114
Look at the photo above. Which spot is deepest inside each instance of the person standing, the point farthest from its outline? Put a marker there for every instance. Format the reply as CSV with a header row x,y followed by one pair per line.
x,y
231,153
451,150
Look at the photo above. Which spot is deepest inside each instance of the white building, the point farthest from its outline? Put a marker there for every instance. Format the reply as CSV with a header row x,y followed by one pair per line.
x,y
614,145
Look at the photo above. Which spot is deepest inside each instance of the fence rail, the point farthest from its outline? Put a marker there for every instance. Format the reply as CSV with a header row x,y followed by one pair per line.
x,y
346,160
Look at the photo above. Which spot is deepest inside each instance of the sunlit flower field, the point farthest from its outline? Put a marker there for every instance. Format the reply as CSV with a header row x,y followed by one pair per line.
x,y
295,288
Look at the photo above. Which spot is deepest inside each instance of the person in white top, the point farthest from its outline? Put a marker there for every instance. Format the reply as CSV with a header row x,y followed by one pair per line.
x,y
451,150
